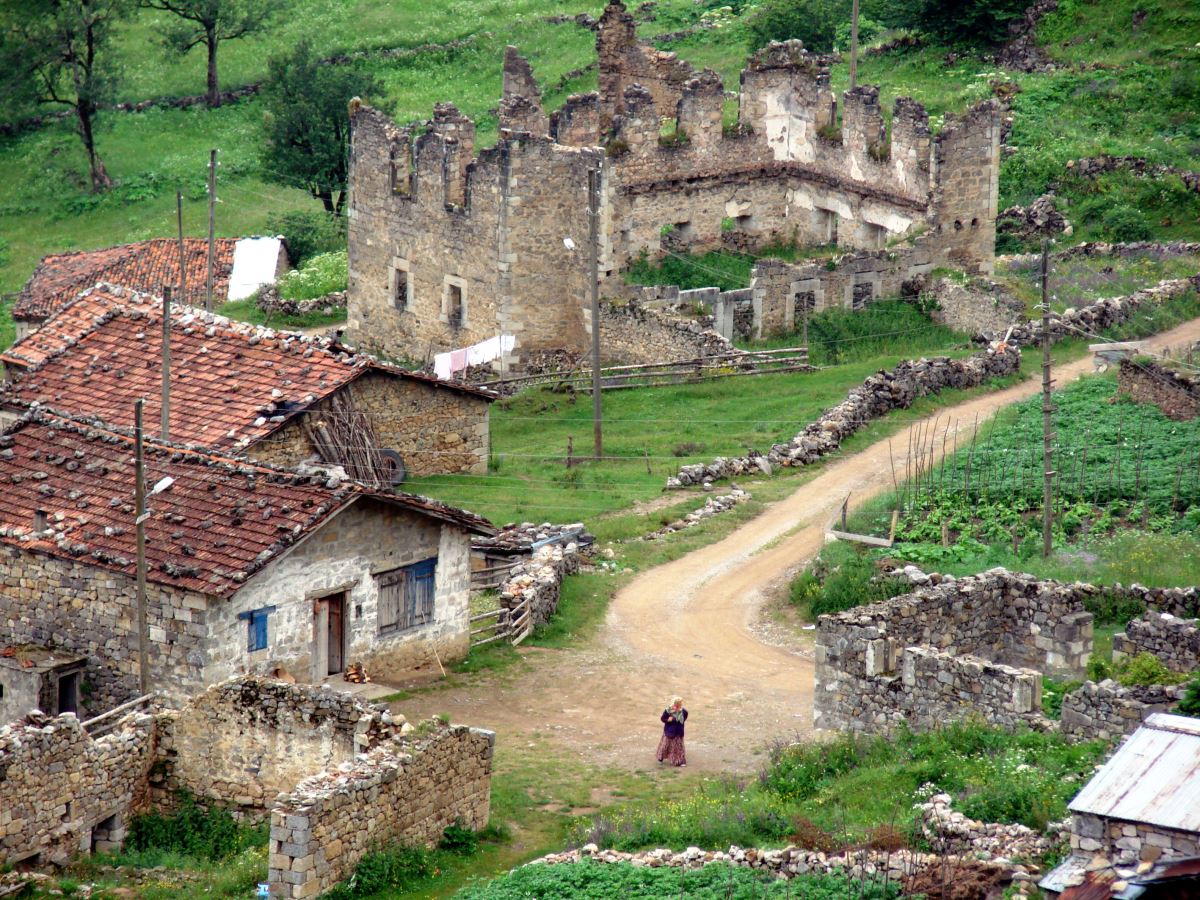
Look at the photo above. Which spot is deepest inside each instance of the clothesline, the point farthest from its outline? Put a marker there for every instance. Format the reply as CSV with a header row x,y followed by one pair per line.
x,y
445,365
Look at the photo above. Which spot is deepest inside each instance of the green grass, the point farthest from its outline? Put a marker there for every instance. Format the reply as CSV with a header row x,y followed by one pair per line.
x,y
1079,280
248,311
844,790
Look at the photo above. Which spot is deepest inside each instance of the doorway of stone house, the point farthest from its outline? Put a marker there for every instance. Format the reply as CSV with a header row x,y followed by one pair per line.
x,y
329,635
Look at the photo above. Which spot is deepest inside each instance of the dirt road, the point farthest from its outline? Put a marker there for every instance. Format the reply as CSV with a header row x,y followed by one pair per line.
x,y
688,628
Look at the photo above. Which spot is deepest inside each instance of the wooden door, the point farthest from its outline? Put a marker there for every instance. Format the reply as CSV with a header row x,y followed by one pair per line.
x,y
336,633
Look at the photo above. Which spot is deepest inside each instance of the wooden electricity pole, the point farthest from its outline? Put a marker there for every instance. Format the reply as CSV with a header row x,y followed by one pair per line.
x,y
854,45
594,275
182,251
166,363
1047,408
140,526
212,227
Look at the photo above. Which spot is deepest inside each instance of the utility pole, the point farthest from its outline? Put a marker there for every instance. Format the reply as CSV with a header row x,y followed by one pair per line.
x,y
166,363
182,252
804,321
212,227
1047,408
140,525
854,45
594,275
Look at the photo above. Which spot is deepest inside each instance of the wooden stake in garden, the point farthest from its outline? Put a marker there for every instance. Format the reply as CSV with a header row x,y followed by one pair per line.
x,y
1047,408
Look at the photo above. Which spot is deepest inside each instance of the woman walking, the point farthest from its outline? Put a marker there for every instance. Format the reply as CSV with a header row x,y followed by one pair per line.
x,y
670,748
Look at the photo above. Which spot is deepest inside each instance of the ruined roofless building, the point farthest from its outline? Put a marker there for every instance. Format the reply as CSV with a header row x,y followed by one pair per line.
x,y
448,248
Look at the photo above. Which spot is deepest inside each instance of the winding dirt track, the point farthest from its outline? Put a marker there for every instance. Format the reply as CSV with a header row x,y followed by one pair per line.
x,y
688,628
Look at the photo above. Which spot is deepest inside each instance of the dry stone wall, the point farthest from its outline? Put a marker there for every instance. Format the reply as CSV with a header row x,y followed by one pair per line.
x,y
950,649
635,334
1107,710
538,580
879,394
979,307
1146,381
405,793
1174,641
1130,843
62,792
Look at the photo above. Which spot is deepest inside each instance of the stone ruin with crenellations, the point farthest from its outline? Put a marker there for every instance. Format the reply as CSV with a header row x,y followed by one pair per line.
x,y
449,247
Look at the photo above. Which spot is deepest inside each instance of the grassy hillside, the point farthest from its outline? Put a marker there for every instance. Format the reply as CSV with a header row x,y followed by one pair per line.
x,y
1121,90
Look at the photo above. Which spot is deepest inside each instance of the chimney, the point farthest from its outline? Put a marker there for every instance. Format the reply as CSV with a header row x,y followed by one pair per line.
x,y
40,521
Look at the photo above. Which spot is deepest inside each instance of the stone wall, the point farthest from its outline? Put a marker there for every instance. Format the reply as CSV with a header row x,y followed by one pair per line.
x,y
1130,843
1147,381
538,580
63,792
401,793
72,607
878,395
951,649
1174,641
979,307
245,741
1107,710
435,430
633,334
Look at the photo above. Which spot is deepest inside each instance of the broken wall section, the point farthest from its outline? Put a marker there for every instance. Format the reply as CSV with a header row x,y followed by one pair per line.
x,y
635,334
63,793
406,794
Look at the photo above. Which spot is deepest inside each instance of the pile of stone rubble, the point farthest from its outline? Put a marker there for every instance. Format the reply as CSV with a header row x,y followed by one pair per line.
x,y
878,395
957,839
712,506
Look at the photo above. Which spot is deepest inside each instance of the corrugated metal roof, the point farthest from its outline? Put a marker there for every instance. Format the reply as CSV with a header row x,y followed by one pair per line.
x,y
1153,778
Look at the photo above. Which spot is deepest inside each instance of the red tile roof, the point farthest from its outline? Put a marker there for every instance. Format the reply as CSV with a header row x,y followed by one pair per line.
x,y
232,384
220,522
145,266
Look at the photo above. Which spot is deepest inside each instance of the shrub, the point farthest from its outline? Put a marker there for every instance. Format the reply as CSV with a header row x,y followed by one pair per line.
x,y
396,868
812,21
308,233
458,838
193,830
830,587
1124,223
321,275
1143,670
1190,704
868,30
979,22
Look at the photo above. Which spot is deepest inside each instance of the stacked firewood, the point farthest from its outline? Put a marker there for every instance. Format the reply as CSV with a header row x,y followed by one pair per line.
x,y
356,674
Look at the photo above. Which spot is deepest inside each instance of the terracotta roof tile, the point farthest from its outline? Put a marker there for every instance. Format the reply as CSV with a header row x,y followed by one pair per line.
x,y
232,384
221,520
144,266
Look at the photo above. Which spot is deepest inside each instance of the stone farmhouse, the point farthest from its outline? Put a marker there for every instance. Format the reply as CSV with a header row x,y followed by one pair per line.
x,y
449,247
248,567
242,265
276,397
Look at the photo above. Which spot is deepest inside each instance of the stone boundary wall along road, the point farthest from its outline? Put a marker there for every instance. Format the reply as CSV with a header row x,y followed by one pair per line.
x,y
63,792
395,794
1176,394
878,395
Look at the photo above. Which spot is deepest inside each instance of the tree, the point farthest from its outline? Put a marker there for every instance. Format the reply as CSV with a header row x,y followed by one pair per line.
x,y
307,126
209,22
57,52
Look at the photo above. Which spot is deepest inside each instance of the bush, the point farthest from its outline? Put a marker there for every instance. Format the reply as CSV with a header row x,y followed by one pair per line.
x,y
309,234
321,275
1190,704
1124,223
193,830
397,868
1144,670
868,30
814,22
458,838
979,22
841,580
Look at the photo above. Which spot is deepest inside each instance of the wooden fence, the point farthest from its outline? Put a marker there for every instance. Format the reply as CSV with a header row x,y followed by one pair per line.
x,y
704,368
106,722
512,625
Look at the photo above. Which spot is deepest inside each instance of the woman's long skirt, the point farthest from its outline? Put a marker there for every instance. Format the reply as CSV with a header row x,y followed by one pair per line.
x,y
670,749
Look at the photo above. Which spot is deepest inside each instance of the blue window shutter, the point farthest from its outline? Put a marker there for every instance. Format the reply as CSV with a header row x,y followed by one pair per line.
x,y
260,630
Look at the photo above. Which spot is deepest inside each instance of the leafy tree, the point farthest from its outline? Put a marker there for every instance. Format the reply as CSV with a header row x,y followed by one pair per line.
x,y
57,52
981,22
307,127
209,22
814,22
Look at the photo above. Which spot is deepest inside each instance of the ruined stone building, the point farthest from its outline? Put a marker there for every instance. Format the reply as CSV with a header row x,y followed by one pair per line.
x,y
449,247
276,397
241,266
248,567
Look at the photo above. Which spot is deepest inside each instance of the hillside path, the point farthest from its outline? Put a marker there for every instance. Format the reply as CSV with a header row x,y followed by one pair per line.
x,y
690,627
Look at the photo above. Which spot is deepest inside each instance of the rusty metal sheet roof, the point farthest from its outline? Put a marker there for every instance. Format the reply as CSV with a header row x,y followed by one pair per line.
x,y
1153,778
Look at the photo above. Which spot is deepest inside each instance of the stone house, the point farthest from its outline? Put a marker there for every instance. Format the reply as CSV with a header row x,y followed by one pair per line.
x,y
241,266
248,567
1137,822
447,247
276,397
